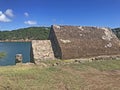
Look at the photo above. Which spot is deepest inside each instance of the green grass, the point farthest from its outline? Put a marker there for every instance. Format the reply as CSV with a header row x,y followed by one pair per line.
x,y
104,65
100,65
61,77
36,78
2,54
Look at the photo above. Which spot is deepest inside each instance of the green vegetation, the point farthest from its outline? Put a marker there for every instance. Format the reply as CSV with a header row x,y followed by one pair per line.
x,y
31,33
2,54
34,33
101,65
98,75
36,78
117,32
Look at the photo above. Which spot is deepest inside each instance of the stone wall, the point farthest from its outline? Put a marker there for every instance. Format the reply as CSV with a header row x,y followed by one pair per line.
x,y
71,42
42,50
55,44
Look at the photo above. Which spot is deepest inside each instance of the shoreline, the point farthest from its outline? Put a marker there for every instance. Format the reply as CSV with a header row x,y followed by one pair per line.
x,y
15,40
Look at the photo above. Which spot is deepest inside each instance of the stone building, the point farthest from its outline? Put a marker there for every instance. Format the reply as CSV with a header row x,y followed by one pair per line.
x,y
69,42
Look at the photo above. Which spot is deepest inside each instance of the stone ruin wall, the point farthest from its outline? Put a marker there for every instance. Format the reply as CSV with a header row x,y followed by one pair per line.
x,y
55,44
84,42
42,50
62,46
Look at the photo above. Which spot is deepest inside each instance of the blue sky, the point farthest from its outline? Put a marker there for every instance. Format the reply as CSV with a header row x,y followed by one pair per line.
x,y
16,14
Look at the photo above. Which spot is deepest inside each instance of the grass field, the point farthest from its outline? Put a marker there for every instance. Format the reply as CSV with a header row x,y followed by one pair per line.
x,y
97,75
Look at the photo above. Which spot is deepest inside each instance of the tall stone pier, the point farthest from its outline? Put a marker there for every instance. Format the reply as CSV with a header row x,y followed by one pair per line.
x,y
42,50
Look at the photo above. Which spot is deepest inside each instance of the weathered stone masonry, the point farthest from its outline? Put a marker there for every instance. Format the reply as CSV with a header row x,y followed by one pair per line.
x,y
70,42
42,50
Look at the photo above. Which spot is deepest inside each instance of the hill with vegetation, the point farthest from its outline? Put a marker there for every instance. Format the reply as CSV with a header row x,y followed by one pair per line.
x,y
31,33
117,32
34,33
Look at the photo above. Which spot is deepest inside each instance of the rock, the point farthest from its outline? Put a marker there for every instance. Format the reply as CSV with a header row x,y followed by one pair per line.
x,y
55,64
43,65
29,64
18,58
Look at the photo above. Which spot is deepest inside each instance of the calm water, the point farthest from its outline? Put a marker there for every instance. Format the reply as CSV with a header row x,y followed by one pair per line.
x,y
13,48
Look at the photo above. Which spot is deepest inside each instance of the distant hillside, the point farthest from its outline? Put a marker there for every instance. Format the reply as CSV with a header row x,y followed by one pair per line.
x,y
31,33
34,33
117,32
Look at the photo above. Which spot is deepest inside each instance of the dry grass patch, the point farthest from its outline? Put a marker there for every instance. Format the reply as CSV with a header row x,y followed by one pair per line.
x,y
96,75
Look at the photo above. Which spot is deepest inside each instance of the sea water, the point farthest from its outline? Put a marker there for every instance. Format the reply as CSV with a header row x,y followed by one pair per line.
x,y
11,49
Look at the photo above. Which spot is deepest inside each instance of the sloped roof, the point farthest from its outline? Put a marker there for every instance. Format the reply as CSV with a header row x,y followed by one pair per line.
x,y
84,41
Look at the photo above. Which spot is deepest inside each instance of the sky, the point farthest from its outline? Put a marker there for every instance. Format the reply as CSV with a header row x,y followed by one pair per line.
x,y
15,14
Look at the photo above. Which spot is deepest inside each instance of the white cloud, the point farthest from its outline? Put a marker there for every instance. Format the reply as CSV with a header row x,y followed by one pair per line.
x,y
26,14
9,12
29,22
4,18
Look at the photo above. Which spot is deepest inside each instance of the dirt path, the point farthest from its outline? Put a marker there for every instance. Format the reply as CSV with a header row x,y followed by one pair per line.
x,y
98,80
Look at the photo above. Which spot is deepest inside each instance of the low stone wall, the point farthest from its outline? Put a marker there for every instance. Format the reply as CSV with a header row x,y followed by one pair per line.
x,y
42,50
